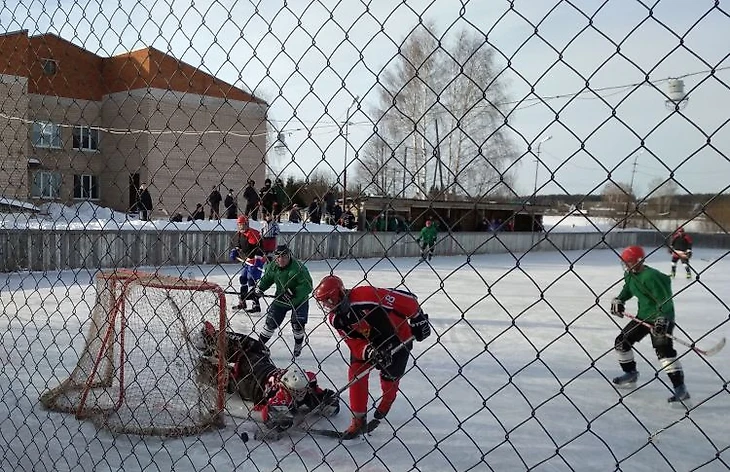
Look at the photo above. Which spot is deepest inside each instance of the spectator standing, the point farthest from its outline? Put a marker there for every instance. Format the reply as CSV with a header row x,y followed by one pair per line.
x,y
231,206
215,199
329,206
281,199
295,216
348,219
253,200
315,211
268,197
144,202
198,213
337,214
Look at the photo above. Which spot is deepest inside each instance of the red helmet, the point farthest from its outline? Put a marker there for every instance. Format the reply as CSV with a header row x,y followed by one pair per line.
x,y
633,257
243,220
330,291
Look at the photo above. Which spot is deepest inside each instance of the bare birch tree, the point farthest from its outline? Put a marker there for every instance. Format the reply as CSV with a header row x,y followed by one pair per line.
x,y
662,192
440,107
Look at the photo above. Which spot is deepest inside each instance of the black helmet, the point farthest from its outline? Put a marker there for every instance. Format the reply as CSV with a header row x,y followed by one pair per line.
x,y
282,250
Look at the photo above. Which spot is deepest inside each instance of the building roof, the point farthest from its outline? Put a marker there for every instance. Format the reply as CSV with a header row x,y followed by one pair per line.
x,y
404,204
83,74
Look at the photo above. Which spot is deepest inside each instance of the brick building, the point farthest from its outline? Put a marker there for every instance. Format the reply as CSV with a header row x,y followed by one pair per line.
x,y
77,126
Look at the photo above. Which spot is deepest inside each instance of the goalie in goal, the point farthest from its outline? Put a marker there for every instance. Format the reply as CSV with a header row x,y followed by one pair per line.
x,y
277,394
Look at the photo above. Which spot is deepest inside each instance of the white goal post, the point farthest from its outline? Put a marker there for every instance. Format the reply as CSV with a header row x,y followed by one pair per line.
x,y
139,371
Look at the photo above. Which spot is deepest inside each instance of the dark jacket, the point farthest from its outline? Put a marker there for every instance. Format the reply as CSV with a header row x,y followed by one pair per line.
x,y
295,216
315,212
251,196
268,198
144,200
215,199
231,207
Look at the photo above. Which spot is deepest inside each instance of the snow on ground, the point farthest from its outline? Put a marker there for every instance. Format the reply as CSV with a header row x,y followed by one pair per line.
x,y
89,216
516,375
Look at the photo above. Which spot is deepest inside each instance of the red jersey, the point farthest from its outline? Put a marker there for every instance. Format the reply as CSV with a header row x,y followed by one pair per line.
x,y
377,316
249,243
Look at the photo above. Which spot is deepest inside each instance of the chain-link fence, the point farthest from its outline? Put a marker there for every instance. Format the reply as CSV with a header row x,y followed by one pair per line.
x,y
179,180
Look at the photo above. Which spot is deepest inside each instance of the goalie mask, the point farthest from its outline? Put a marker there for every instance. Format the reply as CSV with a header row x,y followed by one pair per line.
x,y
295,380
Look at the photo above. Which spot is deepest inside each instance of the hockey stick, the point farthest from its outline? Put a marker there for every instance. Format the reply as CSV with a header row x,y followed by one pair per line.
x,y
361,375
705,352
301,424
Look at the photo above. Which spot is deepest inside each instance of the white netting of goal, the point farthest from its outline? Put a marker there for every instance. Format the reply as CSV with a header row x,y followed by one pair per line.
x,y
140,371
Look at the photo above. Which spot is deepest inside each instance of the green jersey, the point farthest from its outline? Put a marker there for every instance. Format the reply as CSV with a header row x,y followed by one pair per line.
x,y
428,234
653,290
293,280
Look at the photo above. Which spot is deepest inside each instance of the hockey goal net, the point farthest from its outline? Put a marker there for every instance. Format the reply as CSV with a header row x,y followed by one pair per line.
x,y
140,371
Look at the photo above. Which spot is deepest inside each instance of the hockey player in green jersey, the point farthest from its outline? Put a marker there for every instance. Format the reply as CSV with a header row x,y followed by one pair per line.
x,y
427,239
653,291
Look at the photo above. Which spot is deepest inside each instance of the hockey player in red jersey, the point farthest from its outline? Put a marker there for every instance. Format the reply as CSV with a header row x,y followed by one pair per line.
x,y
277,394
379,326
680,247
247,249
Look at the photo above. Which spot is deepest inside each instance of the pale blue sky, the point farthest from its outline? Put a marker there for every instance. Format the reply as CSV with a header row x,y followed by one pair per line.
x,y
310,72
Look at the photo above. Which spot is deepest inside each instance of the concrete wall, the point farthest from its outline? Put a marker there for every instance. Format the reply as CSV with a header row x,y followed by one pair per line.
x,y
44,250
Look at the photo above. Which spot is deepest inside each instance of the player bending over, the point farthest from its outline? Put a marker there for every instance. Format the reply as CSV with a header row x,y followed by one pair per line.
x,y
378,325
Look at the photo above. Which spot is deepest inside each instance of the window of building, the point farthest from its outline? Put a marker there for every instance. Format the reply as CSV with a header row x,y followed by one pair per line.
x,y
86,187
86,138
50,66
46,184
46,135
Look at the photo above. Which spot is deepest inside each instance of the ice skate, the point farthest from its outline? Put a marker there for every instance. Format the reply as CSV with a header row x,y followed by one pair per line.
x,y
297,351
357,428
256,308
680,397
626,380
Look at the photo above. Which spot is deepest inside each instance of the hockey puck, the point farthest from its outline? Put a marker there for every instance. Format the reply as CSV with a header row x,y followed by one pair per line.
x,y
244,436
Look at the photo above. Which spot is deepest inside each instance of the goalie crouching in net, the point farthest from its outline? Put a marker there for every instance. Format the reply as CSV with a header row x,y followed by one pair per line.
x,y
278,395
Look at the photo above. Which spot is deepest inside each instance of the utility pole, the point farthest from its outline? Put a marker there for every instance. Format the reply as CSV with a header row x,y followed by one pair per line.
x,y
405,169
347,144
537,164
630,197
534,224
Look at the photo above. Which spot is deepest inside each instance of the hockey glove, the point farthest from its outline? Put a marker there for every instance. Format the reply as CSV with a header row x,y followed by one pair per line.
x,y
280,418
617,307
233,255
330,404
419,326
382,358
660,327
258,293
688,254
